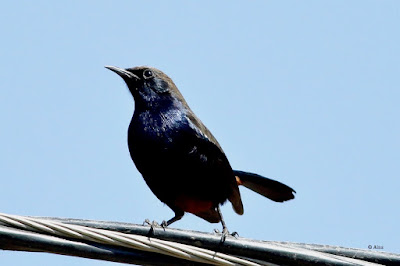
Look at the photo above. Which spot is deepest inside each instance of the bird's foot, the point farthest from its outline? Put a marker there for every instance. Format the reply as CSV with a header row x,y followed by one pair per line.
x,y
153,225
225,233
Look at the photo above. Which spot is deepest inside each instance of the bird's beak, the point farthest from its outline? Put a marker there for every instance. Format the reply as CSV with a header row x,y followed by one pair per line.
x,y
123,73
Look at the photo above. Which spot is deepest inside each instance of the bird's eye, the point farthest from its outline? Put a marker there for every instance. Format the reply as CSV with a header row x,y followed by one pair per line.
x,y
147,74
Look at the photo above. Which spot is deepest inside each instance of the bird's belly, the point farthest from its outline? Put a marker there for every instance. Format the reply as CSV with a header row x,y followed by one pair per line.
x,y
176,182
193,205
174,174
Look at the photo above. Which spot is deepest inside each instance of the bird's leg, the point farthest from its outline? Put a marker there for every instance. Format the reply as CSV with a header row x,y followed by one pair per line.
x,y
177,217
225,231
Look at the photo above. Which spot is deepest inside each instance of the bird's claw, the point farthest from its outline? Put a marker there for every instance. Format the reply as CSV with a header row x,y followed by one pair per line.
x,y
225,233
152,224
235,234
164,224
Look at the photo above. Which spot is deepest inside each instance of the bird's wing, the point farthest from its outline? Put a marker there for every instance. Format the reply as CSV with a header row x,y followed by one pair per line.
x,y
207,147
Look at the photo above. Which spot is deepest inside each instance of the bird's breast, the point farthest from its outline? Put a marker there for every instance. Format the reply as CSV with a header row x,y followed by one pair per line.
x,y
153,135
157,127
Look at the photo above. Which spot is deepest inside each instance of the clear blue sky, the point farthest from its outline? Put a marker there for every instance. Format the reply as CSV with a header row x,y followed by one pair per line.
x,y
303,92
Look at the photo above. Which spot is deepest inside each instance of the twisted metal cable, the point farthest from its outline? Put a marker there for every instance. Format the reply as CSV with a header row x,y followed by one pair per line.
x,y
113,241
102,236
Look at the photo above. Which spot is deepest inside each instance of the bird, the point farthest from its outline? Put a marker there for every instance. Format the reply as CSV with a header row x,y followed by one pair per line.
x,y
180,160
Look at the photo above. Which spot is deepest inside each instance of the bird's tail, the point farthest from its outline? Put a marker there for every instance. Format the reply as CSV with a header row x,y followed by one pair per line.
x,y
269,188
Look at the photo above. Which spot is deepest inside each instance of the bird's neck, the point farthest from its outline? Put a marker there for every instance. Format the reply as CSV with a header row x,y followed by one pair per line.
x,y
161,106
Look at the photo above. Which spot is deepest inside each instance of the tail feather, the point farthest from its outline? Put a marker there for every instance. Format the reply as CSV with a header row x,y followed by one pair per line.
x,y
266,187
236,200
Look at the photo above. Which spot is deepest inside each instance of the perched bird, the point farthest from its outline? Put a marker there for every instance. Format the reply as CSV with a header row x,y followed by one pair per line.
x,y
179,158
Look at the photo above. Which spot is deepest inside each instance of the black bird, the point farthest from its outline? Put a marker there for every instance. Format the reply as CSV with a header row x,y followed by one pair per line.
x,y
179,158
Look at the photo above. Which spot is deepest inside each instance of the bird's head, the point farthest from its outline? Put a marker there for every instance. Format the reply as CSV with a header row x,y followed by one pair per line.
x,y
149,86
